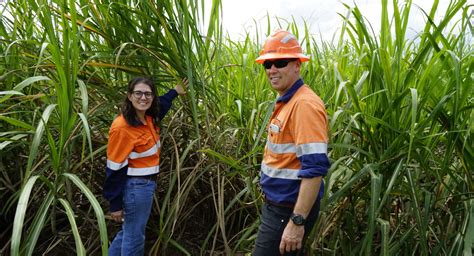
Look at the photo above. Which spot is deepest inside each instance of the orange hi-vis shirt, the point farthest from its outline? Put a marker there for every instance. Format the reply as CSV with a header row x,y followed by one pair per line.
x,y
138,147
296,145
133,151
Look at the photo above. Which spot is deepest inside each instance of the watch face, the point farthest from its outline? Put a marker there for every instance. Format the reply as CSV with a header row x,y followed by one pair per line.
x,y
297,219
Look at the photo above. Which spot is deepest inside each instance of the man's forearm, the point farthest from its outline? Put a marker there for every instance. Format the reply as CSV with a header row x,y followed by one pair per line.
x,y
309,190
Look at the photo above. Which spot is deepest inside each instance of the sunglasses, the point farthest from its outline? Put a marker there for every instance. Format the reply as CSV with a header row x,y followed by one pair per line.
x,y
280,63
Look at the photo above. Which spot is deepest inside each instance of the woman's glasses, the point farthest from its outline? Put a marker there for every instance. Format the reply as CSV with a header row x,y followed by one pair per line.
x,y
280,63
139,94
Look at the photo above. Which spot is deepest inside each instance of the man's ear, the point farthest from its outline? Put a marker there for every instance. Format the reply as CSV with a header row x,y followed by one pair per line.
x,y
298,66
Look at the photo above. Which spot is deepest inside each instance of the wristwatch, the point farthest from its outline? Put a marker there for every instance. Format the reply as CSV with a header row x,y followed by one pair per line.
x,y
299,220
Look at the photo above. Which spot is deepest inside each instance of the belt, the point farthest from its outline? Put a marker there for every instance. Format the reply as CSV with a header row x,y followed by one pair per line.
x,y
146,177
285,205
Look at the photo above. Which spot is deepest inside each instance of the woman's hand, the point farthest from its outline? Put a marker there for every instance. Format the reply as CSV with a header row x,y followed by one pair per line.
x,y
117,216
181,87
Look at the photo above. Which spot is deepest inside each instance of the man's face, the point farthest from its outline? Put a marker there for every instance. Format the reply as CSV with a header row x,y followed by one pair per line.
x,y
284,77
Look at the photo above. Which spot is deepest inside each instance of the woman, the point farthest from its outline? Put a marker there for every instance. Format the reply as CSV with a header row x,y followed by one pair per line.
x,y
133,162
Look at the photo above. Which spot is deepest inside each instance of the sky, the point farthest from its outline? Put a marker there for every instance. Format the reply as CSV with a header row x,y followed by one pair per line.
x,y
321,16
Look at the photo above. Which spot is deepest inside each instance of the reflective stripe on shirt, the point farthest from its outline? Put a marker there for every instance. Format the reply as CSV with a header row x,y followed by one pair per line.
x,y
116,166
303,149
288,174
281,148
133,155
311,148
153,150
143,171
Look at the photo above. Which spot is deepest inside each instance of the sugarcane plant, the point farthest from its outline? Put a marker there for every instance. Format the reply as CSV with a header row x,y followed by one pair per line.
x,y
400,110
56,124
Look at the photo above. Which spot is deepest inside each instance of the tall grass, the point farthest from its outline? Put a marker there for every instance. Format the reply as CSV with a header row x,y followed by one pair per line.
x,y
401,136
56,126
400,112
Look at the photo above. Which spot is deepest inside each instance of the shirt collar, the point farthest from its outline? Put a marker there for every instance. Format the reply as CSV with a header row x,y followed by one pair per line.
x,y
287,96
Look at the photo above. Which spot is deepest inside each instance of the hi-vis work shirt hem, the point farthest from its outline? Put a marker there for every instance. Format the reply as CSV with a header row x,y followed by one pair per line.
x,y
288,174
116,166
296,146
143,171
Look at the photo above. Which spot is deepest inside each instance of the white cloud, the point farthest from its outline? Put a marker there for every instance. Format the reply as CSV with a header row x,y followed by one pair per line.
x,y
320,15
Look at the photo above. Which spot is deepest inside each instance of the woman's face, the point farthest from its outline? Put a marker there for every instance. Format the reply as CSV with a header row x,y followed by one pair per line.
x,y
141,98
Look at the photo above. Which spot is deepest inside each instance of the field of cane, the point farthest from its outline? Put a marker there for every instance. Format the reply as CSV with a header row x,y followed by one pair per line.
x,y
400,113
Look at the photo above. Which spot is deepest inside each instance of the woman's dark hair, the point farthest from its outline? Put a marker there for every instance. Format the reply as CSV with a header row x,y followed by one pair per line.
x,y
128,111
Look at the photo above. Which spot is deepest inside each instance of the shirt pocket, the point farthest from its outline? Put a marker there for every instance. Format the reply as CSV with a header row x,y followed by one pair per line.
x,y
144,143
274,129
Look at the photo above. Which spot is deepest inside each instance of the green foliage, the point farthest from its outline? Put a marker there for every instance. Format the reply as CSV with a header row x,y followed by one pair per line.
x,y
400,121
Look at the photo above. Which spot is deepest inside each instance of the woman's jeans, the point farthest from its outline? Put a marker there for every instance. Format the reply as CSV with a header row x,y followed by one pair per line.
x,y
137,202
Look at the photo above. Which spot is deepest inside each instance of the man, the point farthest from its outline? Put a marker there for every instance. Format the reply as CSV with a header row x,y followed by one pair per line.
x,y
295,157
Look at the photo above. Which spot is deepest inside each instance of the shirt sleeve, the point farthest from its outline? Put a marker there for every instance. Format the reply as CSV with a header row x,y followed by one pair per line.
x,y
113,187
166,101
309,130
119,148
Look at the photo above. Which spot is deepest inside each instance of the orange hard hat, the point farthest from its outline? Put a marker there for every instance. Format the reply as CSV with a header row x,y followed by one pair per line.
x,y
281,45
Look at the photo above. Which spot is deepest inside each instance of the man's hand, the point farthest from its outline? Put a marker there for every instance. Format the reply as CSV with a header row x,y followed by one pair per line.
x,y
292,238
181,87
117,216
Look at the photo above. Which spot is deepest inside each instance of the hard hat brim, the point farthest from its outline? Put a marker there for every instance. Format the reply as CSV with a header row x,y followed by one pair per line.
x,y
272,56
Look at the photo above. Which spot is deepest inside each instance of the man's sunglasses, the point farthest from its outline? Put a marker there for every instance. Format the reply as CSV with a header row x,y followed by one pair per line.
x,y
280,63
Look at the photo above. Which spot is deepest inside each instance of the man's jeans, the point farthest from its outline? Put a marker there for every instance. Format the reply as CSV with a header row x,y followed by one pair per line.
x,y
273,222
137,202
